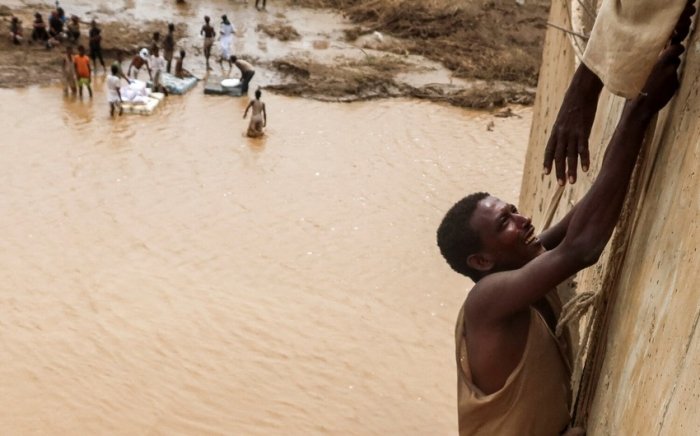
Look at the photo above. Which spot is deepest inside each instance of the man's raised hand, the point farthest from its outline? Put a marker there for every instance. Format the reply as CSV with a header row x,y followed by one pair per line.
x,y
663,80
683,24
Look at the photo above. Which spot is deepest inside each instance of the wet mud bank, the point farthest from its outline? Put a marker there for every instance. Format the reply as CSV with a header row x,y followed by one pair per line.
x,y
352,80
494,46
479,39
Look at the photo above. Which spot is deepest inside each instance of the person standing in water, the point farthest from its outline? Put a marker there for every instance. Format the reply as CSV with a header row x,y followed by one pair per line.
x,y
226,31
113,95
258,119
257,2
68,72
138,62
157,64
83,70
169,46
247,72
209,34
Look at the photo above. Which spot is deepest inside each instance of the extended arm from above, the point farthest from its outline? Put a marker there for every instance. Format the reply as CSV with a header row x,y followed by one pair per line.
x,y
569,137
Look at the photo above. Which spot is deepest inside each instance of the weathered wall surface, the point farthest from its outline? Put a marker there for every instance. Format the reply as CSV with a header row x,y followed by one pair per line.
x,y
650,377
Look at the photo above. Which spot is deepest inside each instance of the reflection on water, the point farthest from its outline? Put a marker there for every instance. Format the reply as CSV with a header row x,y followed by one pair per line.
x,y
168,275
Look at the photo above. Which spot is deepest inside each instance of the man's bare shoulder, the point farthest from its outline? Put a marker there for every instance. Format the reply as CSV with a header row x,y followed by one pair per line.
x,y
484,304
476,305
476,311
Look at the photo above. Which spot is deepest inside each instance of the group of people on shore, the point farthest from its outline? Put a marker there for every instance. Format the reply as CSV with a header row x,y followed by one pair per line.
x,y
80,64
60,29
76,68
76,71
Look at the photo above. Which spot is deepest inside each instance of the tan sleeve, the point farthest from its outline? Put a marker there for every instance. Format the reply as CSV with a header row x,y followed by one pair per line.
x,y
626,39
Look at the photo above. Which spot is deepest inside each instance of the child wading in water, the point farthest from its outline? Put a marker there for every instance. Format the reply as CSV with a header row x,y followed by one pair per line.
x,y
258,119
113,94
69,79
82,70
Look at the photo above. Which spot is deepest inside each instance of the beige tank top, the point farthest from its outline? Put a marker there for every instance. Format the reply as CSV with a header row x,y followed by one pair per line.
x,y
535,399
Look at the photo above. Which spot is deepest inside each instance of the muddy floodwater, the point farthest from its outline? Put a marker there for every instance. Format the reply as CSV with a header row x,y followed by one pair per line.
x,y
167,275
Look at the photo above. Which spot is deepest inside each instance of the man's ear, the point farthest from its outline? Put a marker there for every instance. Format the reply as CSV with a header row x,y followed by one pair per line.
x,y
480,262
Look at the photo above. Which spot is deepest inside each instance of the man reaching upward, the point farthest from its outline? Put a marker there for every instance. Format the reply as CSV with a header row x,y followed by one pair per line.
x,y
513,376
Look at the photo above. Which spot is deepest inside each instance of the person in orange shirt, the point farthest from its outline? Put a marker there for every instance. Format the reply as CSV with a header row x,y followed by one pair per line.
x,y
82,70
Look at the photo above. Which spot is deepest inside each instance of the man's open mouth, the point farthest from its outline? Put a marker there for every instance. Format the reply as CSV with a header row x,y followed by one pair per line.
x,y
530,236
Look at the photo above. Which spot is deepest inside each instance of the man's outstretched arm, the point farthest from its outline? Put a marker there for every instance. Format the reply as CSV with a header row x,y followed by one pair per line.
x,y
500,295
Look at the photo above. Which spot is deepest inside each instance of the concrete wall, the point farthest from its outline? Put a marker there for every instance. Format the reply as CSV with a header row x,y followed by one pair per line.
x,y
650,376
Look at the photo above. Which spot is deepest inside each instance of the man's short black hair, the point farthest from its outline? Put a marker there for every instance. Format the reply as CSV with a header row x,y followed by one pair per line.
x,y
456,237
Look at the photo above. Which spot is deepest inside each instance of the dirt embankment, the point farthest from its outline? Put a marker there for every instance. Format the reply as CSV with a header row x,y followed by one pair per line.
x,y
477,39
374,77
495,45
279,30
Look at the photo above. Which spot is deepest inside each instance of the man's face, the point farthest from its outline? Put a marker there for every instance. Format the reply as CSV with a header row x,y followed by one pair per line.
x,y
508,239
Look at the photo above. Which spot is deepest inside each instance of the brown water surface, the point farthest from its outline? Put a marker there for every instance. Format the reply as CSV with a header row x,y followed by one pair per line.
x,y
167,275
